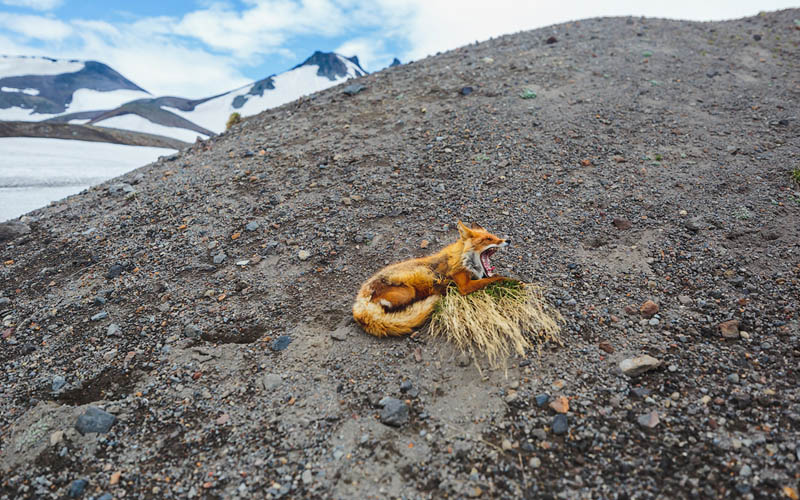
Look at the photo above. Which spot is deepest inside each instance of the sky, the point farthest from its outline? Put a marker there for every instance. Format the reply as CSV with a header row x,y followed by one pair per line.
x,y
197,48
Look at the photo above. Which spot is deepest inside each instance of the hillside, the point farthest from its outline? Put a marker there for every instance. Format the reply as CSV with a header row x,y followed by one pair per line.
x,y
200,305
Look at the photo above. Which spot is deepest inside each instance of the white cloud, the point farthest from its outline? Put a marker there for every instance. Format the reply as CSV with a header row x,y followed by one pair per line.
x,y
371,53
34,4
38,27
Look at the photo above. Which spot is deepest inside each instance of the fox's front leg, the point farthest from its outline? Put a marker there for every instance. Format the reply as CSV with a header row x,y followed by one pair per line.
x,y
466,285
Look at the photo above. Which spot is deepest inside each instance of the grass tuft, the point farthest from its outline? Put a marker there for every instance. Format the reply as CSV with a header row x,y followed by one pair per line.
x,y
795,175
504,318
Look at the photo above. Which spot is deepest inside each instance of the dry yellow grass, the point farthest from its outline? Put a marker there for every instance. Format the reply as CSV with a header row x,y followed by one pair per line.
x,y
504,318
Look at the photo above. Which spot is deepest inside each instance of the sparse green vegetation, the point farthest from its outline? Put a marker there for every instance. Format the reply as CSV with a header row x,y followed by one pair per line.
x,y
233,120
528,94
796,176
742,213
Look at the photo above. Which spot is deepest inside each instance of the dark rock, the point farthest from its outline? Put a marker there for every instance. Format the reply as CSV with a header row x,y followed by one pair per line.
x,y
695,224
394,413
77,487
120,189
551,40
560,424
95,420
4,301
114,271
640,392
741,400
406,386
757,37
395,62
12,229
281,343
542,399
622,224
466,90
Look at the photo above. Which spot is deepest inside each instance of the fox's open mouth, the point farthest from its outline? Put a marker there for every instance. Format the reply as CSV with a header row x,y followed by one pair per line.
x,y
486,263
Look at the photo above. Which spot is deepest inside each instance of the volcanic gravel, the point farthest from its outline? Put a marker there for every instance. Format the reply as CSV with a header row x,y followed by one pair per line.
x,y
198,308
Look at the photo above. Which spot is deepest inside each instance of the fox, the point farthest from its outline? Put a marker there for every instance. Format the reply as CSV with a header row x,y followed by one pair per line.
x,y
400,297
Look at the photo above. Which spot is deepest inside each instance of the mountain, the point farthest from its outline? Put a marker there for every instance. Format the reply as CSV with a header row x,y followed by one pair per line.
x,y
185,119
37,88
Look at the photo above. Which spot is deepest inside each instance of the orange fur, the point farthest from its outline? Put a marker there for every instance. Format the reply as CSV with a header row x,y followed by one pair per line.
x,y
400,297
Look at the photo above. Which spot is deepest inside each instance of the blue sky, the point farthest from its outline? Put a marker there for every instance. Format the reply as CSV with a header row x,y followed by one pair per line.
x,y
196,48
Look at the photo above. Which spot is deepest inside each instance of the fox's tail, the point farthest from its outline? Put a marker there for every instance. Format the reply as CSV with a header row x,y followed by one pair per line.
x,y
376,321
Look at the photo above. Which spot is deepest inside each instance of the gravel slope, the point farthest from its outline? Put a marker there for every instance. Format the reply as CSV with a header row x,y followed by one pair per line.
x,y
653,164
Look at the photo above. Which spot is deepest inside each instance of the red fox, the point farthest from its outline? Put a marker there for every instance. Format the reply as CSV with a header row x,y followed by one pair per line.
x,y
400,297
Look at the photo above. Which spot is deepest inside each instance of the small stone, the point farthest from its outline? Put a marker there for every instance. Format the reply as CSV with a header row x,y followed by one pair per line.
x,y
535,462
406,386
684,300
560,404
115,478
542,399
99,316
648,420
539,434
606,347
242,263
648,309
675,396
638,365
683,213
424,244
13,229
307,477
506,445
192,331
76,488
120,189
113,330
744,335
281,343
219,258
640,392
560,424
463,359
653,322
511,397
56,437
4,301
58,383
729,329
223,419
114,271
251,226
303,255
622,224
466,90
745,471
339,334
551,40
353,89
271,381
95,420
733,378
394,413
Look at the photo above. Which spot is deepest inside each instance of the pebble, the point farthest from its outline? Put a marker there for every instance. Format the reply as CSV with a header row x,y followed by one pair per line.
x,y
394,412
733,378
242,263
4,301
638,365
506,445
541,399
303,254
745,471
684,300
58,383
648,309
99,316
120,189
539,434
307,477
192,331
648,420
113,330
77,487
560,424
271,381
560,404
281,343
653,322
95,420
535,462
114,271
251,226
339,334
729,329
466,90
463,359
219,258
353,89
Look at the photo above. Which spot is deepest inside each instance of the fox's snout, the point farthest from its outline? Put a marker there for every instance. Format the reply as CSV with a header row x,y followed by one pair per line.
x,y
505,242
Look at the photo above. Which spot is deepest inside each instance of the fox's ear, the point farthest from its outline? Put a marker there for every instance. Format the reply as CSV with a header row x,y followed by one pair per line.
x,y
464,231
476,226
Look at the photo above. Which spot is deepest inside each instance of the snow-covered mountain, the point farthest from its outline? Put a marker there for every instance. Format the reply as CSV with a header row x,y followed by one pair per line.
x,y
38,88
186,119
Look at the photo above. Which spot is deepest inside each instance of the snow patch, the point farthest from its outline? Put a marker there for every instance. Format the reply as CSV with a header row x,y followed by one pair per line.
x,y
92,100
137,123
24,91
24,66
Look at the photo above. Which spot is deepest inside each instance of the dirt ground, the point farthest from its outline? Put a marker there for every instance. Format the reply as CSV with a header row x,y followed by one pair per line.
x,y
629,159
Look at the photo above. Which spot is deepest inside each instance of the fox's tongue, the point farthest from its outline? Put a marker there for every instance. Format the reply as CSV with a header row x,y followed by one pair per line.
x,y
487,264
